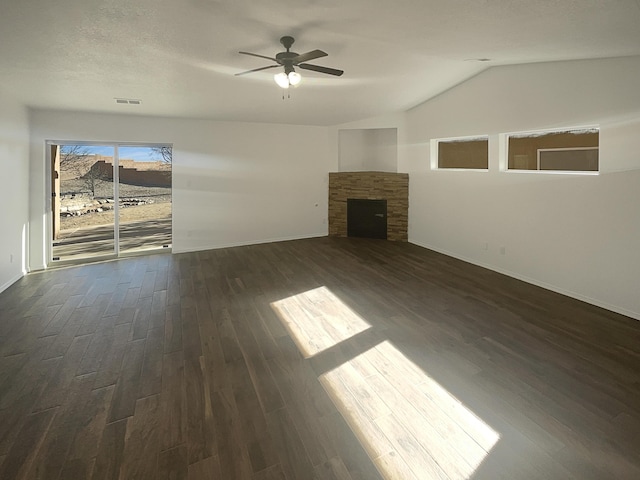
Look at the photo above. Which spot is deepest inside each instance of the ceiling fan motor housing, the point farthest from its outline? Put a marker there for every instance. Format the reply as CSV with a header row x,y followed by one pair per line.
x,y
286,59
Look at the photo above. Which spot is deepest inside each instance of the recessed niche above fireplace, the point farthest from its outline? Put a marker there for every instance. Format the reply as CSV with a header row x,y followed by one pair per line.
x,y
390,187
368,149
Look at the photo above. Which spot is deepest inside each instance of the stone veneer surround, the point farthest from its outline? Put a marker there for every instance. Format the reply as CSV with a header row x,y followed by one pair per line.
x,y
392,187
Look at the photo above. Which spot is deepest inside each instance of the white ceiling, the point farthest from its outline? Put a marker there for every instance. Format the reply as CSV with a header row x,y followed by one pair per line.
x,y
179,56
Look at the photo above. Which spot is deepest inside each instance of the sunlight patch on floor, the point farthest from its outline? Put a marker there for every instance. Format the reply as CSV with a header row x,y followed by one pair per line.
x,y
409,424
318,320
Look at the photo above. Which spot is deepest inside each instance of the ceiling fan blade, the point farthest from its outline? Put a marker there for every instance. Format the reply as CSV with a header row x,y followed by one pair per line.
x,y
256,70
318,68
312,55
259,56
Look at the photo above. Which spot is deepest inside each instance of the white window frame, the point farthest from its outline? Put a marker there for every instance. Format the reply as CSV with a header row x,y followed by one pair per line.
x,y
47,220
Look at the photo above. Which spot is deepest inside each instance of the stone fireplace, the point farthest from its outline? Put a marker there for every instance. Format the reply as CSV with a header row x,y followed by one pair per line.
x,y
392,187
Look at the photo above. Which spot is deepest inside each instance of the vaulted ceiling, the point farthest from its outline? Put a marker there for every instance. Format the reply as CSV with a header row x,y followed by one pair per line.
x,y
179,57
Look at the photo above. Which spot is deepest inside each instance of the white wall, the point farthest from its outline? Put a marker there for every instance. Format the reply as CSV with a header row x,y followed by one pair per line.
x,y
384,149
352,150
233,183
14,194
579,235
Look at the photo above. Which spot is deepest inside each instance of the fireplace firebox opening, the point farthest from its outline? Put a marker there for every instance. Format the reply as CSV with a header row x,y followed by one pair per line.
x,y
367,218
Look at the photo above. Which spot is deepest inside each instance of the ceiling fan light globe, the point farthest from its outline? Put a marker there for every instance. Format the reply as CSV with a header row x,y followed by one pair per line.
x,y
281,79
294,78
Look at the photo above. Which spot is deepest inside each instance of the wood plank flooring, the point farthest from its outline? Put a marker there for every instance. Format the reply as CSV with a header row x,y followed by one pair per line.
x,y
314,359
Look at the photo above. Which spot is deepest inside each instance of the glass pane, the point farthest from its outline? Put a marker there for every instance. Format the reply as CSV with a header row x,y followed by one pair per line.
x,y
145,197
464,153
83,205
569,159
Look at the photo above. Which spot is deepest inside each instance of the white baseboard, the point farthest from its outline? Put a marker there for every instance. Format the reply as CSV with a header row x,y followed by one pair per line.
x,y
11,281
533,281
245,243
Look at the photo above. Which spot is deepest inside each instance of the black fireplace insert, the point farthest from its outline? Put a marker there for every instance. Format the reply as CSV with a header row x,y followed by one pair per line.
x,y
366,218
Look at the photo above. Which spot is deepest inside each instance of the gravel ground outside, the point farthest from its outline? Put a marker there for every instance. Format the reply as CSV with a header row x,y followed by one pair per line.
x,y
105,190
155,211
158,206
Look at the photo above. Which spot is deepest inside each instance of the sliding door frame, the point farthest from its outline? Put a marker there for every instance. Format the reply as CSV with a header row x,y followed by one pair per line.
x,y
48,220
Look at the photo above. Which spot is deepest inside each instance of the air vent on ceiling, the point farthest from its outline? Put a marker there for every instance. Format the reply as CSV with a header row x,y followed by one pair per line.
x,y
128,101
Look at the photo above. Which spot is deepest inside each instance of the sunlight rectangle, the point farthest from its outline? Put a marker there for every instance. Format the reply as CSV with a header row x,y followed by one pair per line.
x,y
409,424
317,320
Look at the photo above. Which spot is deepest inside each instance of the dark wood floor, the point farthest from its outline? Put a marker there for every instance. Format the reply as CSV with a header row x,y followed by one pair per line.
x,y
322,359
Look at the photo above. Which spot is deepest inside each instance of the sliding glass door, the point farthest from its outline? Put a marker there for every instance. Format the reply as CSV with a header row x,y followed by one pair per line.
x,y
109,200
83,201
145,198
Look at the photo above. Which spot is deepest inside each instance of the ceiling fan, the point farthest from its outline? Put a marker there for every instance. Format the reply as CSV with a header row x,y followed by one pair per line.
x,y
289,60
